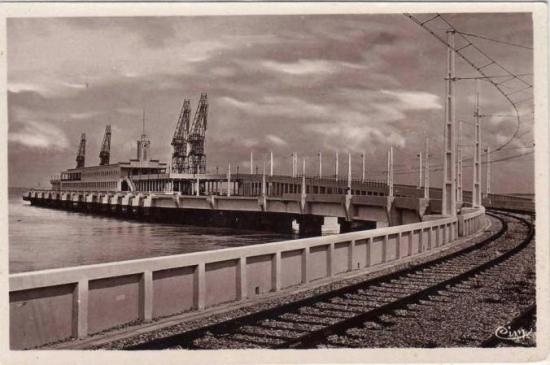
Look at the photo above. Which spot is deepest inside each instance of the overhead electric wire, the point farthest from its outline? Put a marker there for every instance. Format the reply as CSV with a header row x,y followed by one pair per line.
x,y
478,68
492,60
439,167
495,40
491,77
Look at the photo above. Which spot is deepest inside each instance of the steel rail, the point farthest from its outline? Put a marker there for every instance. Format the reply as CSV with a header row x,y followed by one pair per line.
x,y
186,339
316,337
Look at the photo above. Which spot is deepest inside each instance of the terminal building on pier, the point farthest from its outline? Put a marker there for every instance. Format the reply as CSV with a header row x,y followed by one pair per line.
x,y
140,174
144,174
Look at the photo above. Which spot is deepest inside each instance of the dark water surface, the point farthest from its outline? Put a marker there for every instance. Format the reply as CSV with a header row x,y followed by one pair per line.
x,y
43,238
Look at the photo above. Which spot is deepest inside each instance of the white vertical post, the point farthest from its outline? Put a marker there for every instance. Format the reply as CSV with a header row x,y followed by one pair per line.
x,y
448,204
304,177
263,181
199,294
363,167
292,162
305,265
349,170
330,260
276,271
476,191
251,162
419,155
295,163
320,165
229,180
427,171
80,309
146,296
241,279
336,167
488,171
390,171
459,164
198,190
271,163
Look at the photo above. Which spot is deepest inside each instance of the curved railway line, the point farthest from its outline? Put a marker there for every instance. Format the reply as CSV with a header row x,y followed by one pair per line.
x,y
363,314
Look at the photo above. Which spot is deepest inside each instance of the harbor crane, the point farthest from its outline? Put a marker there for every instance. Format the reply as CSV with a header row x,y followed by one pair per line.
x,y
196,156
105,153
179,141
81,157
188,141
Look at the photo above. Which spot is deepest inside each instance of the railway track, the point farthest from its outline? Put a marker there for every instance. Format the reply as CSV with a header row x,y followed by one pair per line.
x,y
354,316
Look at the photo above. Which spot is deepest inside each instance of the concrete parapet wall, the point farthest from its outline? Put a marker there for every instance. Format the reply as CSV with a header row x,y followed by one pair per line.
x,y
52,305
509,203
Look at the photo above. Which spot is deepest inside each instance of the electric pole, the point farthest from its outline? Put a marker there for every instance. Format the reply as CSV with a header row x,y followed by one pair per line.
x,y
448,204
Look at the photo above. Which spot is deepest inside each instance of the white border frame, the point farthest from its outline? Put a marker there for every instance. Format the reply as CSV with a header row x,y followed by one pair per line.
x,y
540,28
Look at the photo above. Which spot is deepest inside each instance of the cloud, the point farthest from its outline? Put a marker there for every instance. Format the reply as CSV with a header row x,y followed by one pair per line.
x,y
276,140
16,87
302,67
414,100
48,86
355,137
305,67
202,50
85,115
249,142
282,106
345,118
130,111
223,71
39,135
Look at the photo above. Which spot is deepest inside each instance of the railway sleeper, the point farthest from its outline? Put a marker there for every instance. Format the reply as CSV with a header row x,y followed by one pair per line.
x,y
326,313
278,324
302,318
274,333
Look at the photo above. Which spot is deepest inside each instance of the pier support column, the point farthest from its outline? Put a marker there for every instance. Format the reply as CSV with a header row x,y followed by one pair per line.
x,y
330,226
295,227
382,224
126,201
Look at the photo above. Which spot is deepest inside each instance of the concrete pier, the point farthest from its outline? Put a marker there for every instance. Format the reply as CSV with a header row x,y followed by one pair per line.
x,y
308,208
330,226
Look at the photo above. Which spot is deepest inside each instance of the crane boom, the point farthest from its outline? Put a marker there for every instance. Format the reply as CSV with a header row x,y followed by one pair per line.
x,y
105,153
197,132
179,141
81,156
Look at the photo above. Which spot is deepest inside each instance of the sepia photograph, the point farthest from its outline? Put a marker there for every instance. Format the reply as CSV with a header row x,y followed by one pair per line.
x,y
274,180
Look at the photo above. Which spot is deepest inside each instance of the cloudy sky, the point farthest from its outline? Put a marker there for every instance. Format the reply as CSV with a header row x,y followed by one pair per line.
x,y
275,83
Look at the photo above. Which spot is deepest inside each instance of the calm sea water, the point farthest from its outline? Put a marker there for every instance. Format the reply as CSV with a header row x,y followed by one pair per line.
x,y
42,238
